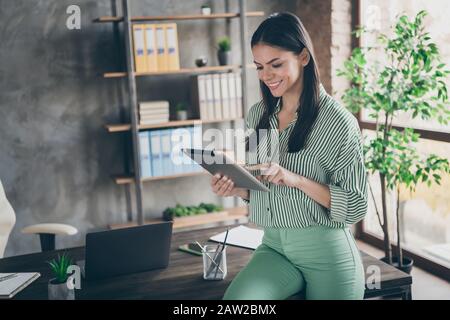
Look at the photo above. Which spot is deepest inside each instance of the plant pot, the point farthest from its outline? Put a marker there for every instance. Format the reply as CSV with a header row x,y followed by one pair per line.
x,y
407,263
181,115
224,57
60,291
206,11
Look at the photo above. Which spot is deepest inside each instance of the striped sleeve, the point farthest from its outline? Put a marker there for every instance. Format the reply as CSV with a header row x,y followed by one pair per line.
x,y
348,183
250,124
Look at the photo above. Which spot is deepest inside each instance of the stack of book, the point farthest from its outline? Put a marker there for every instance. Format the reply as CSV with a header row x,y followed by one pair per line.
x,y
161,153
153,112
217,96
155,47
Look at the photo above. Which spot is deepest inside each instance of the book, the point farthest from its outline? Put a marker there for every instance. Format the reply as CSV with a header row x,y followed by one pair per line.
x,y
140,58
149,116
209,97
150,105
225,96
198,96
150,45
156,158
233,95
241,236
161,111
144,146
217,97
168,168
239,95
161,48
13,283
176,155
173,57
153,121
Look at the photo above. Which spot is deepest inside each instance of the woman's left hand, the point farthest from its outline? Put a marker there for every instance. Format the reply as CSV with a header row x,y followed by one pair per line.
x,y
278,175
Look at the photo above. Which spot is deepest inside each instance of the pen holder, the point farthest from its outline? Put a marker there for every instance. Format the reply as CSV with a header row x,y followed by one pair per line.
x,y
214,262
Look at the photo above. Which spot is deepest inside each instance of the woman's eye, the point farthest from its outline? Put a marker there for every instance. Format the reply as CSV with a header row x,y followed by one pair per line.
x,y
277,65
258,68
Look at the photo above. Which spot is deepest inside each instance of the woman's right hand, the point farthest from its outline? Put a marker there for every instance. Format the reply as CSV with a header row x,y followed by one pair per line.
x,y
224,187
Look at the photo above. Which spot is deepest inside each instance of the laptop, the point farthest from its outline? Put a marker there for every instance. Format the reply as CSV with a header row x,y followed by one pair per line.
x,y
129,250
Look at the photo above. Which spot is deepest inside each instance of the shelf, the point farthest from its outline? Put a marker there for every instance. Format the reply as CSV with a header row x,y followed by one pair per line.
x,y
234,214
130,179
110,75
180,17
112,128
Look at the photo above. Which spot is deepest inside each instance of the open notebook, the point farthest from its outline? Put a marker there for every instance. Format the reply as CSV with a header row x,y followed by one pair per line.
x,y
12,283
241,236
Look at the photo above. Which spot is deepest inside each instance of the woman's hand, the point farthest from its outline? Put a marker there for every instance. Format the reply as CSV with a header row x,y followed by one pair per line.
x,y
278,175
224,187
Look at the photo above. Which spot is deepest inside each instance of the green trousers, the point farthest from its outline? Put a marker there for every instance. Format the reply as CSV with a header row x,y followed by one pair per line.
x,y
323,262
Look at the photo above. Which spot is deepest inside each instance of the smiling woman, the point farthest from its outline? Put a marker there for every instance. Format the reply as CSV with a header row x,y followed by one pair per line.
x,y
318,185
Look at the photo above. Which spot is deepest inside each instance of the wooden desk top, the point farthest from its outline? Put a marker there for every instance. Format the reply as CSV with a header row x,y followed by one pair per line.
x,y
181,280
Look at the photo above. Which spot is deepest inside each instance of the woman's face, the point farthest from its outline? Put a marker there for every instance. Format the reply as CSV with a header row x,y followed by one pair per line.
x,y
280,70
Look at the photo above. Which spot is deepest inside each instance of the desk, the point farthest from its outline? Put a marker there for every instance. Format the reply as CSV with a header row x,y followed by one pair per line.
x,y
181,280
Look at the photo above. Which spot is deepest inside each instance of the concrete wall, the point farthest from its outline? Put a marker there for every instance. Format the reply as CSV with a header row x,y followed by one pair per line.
x,y
55,157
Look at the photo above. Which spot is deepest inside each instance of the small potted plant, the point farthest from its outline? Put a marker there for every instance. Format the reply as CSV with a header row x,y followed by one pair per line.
x,y
57,286
206,9
224,51
181,111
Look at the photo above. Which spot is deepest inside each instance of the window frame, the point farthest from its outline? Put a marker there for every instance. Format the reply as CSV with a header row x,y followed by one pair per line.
x,y
360,233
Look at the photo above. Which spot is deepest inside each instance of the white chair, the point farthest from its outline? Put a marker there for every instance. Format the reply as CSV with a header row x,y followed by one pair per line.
x,y
46,231
7,220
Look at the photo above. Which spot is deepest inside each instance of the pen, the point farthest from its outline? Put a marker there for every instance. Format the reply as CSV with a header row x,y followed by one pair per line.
x,y
220,254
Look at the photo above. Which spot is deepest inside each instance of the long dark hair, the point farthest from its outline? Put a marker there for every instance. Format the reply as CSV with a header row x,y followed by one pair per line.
x,y
286,31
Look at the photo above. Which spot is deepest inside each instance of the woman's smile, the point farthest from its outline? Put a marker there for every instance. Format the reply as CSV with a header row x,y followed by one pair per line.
x,y
273,85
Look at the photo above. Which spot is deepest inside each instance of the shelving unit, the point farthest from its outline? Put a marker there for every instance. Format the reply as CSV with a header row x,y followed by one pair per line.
x,y
171,124
135,179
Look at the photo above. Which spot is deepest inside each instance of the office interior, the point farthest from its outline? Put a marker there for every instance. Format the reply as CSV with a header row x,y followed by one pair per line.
x,y
73,121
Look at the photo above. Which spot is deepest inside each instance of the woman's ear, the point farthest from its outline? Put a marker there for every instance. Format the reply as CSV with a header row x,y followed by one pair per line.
x,y
304,57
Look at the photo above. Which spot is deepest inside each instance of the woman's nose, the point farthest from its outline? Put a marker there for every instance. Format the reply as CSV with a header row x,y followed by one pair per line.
x,y
265,75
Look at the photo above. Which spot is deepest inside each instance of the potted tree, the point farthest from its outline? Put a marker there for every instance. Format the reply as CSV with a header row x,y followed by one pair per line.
x,y
224,51
58,288
411,81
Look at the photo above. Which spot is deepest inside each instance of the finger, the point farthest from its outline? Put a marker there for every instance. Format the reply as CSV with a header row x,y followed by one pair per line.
x,y
278,177
270,170
274,171
214,180
230,187
221,181
224,186
266,171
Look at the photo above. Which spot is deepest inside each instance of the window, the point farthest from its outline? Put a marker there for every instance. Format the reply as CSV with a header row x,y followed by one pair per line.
x,y
424,214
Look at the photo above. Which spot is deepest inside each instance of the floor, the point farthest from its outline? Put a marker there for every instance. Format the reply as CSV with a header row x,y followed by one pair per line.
x,y
425,285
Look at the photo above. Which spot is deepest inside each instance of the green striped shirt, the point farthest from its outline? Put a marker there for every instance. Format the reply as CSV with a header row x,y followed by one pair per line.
x,y
332,156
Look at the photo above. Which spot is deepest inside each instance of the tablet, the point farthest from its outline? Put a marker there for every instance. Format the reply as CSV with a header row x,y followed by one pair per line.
x,y
217,162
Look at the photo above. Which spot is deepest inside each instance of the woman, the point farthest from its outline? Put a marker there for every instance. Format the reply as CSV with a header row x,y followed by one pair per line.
x,y
317,189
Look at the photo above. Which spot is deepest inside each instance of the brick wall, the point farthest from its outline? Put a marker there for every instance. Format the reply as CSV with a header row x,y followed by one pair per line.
x,y
341,29
329,25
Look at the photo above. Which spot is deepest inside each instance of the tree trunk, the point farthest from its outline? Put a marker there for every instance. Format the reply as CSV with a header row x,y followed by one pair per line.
x,y
399,245
387,242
